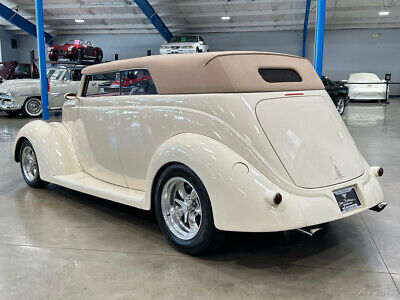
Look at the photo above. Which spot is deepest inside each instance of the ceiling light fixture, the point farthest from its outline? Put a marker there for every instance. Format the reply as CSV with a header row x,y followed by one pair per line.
x,y
79,21
225,18
383,13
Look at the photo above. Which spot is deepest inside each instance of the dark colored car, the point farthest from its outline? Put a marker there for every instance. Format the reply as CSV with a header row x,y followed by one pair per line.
x,y
339,93
14,70
76,50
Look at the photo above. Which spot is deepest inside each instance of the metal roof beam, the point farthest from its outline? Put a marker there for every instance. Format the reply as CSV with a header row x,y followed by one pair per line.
x,y
22,23
154,18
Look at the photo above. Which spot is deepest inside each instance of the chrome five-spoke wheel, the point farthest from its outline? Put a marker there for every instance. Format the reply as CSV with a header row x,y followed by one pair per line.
x,y
29,163
181,208
30,166
340,105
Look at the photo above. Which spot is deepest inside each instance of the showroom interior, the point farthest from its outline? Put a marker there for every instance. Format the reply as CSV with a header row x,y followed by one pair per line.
x,y
141,157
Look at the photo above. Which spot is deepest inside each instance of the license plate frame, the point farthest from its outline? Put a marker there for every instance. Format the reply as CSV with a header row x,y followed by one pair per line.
x,y
347,199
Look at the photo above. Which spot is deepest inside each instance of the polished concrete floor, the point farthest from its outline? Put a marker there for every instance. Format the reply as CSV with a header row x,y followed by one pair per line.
x,y
60,244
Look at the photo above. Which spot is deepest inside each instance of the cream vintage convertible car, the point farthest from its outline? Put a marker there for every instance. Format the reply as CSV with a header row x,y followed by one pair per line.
x,y
212,142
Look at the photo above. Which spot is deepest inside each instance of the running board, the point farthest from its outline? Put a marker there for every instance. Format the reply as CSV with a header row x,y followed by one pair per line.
x,y
88,184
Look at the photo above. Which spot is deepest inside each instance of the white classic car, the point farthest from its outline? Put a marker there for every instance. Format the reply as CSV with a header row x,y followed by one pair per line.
x,y
184,44
367,86
212,142
23,95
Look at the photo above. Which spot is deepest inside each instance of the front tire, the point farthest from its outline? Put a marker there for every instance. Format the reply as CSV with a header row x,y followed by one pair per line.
x,y
29,166
183,211
99,57
32,108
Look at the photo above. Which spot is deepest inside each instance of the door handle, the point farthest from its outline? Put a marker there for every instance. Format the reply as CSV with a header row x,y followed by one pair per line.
x,y
70,103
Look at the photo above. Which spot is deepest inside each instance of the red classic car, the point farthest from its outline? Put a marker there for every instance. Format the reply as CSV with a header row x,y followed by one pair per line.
x,y
76,50
15,70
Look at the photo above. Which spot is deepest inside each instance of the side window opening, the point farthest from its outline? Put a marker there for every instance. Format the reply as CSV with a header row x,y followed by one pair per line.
x,y
105,84
279,75
76,75
137,82
129,82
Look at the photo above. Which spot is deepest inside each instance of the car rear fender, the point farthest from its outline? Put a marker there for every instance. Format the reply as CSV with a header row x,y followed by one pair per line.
x,y
237,194
53,146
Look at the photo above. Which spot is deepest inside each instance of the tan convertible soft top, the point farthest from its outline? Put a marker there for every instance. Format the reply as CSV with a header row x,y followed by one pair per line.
x,y
217,72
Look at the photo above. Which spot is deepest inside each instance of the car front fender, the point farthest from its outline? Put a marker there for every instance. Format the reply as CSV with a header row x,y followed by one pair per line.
x,y
238,192
53,146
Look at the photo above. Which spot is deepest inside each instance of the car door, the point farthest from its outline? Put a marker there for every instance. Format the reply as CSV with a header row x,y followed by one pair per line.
x,y
55,89
95,133
132,134
70,83
88,49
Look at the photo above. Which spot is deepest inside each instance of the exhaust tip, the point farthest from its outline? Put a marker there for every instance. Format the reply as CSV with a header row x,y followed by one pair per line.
x,y
379,207
310,231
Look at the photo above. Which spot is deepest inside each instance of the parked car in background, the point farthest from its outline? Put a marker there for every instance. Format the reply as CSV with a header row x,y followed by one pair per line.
x,y
253,144
14,70
338,93
76,50
180,44
23,95
367,86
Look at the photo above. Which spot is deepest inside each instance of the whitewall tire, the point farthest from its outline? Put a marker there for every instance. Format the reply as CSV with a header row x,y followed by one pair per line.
x,y
32,107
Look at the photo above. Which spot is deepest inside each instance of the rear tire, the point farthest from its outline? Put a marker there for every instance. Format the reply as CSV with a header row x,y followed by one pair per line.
x,y
99,57
79,56
29,166
32,107
184,212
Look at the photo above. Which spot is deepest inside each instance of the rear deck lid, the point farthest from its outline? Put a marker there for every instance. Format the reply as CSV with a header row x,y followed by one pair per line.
x,y
311,140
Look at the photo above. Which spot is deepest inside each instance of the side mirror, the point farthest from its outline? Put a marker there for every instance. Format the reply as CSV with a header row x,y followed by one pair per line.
x,y
70,96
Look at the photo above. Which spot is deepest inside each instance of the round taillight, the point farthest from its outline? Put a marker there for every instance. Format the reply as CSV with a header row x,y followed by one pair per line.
x,y
380,172
277,198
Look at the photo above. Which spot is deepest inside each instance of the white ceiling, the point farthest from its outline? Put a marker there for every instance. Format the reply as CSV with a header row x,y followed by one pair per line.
x,y
190,16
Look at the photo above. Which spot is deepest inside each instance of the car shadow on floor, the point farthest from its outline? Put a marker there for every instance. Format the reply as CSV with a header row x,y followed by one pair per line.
x,y
274,248
340,246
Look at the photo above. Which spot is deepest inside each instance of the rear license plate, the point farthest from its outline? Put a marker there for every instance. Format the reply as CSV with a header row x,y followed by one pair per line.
x,y
347,199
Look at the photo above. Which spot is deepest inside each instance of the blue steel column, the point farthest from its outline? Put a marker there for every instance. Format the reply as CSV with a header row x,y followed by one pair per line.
x,y
154,18
319,37
42,58
303,53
